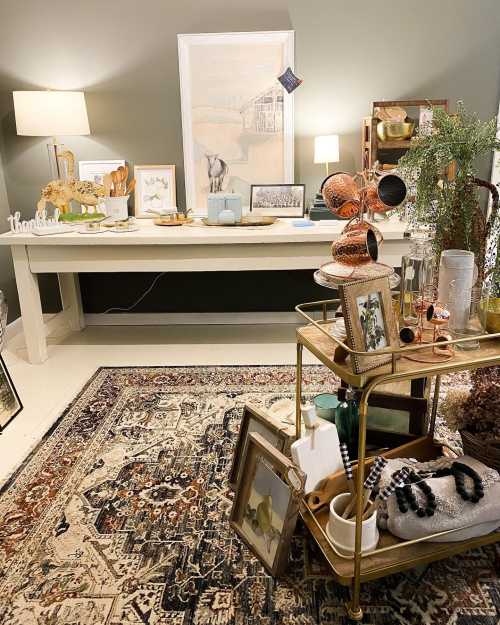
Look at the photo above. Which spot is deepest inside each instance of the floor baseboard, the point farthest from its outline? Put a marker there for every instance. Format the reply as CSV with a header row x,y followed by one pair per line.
x,y
158,319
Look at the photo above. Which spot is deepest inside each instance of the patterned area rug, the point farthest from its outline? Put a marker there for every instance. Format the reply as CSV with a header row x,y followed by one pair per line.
x,y
120,516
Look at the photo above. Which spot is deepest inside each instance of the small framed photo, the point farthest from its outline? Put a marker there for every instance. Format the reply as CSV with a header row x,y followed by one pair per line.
x,y
10,404
278,434
154,189
369,320
266,503
278,200
94,171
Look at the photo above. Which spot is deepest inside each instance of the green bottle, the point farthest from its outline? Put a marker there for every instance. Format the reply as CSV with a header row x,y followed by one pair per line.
x,y
347,421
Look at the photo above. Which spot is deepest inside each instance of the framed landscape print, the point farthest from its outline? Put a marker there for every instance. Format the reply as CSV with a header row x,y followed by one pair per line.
x,y
237,119
94,171
369,321
10,404
266,503
154,189
278,200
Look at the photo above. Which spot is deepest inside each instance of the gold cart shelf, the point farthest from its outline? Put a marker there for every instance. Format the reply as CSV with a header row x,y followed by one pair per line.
x,y
392,554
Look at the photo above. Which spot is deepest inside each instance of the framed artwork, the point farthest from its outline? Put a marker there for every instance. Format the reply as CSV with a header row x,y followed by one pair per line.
x,y
237,119
154,189
95,170
266,503
277,434
278,200
10,404
369,320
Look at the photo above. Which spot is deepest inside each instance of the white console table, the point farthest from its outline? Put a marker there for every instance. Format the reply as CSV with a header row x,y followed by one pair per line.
x,y
153,248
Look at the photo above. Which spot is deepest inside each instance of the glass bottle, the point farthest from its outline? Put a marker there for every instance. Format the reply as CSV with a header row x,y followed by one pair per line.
x,y
417,271
347,421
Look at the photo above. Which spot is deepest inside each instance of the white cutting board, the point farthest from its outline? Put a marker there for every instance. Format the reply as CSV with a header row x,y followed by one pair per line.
x,y
317,453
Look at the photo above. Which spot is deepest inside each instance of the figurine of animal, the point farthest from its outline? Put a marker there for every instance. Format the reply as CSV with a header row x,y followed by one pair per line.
x,y
61,193
217,171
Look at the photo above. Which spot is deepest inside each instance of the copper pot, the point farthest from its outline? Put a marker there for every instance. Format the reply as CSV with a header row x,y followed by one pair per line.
x,y
357,245
341,195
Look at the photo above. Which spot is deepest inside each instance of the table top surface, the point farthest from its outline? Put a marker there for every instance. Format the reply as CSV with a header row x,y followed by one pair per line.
x,y
282,231
323,348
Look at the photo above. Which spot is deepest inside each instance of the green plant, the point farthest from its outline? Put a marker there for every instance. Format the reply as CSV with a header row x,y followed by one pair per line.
x,y
449,204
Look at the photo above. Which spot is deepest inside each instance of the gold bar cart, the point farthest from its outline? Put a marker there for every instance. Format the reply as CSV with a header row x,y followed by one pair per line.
x,y
392,554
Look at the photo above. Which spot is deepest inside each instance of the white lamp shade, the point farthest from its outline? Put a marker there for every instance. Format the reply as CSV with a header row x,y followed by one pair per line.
x,y
51,113
326,149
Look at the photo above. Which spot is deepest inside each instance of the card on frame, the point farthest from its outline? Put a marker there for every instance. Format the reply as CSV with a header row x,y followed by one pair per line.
x,y
278,200
10,403
276,433
94,171
154,189
266,503
369,320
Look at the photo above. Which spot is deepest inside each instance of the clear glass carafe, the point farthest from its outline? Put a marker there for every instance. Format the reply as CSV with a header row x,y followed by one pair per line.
x,y
417,271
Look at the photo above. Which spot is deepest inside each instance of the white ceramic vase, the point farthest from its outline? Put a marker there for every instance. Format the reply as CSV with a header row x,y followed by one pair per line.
x,y
117,207
342,531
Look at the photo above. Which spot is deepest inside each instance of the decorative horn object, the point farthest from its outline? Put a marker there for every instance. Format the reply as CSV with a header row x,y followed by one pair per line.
x,y
341,195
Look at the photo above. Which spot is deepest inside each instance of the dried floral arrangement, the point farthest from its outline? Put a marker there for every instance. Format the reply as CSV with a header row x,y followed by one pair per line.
x,y
477,409
450,205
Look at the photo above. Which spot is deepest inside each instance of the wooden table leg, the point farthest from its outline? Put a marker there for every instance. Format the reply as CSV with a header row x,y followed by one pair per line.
x,y
298,391
69,286
31,306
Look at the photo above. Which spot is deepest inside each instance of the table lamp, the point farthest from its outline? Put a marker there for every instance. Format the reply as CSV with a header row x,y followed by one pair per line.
x,y
52,114
326,150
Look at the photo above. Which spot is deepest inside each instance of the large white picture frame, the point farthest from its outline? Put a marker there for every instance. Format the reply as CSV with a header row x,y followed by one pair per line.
x,y
237,119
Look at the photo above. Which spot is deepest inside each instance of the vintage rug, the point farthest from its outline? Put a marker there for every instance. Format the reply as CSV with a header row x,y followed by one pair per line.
x,y
120,516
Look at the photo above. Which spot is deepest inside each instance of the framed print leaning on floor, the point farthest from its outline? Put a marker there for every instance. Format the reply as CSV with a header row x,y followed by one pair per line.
x,y
10,404
237,119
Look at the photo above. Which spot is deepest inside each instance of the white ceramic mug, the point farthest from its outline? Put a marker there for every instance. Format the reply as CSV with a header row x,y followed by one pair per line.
x,y
342,531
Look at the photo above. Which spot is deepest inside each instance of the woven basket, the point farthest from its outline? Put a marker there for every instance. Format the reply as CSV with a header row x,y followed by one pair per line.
x,y
478,448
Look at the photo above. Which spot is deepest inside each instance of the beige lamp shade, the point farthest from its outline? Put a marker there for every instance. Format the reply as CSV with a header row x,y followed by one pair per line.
x,y
51,113
326,149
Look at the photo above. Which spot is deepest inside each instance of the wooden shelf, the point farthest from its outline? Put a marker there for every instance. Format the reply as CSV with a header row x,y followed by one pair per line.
x,y
323,348
388,562
401,144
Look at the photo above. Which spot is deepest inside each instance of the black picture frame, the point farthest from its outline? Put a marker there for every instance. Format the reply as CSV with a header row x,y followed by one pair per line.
x,y
277,211
7,386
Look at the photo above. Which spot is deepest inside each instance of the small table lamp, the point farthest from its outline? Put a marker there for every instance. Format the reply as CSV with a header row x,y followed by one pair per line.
x,y
52,114
326,150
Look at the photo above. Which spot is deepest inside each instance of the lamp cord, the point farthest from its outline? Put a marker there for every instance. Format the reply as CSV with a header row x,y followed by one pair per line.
x,y
139,300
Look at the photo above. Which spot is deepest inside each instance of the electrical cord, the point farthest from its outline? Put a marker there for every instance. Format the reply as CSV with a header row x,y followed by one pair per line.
x,y
139,300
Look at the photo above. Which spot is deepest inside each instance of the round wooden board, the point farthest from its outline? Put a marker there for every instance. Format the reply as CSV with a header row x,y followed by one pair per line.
x,y
173,222
245,221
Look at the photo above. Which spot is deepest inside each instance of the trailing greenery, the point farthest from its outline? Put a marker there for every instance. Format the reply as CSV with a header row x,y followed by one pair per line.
x,y
79,217
450,204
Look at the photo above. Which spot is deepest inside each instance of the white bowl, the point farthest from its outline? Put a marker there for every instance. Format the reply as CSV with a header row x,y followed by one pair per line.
x,y
341,532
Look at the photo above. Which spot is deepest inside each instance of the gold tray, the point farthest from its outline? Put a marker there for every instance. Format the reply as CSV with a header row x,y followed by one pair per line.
x,y
172,222
245,221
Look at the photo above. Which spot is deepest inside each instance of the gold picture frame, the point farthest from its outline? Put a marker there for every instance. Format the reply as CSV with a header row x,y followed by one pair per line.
x,y
266,503
154,189
278,434
369,321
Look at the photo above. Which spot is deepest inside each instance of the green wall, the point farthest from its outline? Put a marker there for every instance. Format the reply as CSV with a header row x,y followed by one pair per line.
x,y
124,57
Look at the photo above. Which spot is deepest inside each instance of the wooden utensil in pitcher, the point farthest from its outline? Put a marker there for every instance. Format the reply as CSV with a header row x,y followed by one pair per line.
x,y
107,182
117,179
